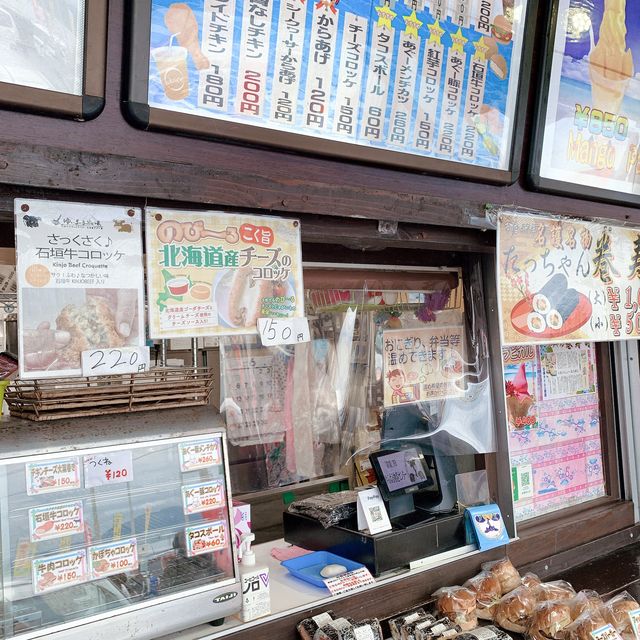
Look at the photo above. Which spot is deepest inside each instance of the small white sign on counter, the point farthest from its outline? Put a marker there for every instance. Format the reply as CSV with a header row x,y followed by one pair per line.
x,y
372,514
279,331
108,468
112,361
350,581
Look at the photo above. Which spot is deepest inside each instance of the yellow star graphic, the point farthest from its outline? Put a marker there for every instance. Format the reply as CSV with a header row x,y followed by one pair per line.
x,y
435,32
385,16
481,49
458,41
412,24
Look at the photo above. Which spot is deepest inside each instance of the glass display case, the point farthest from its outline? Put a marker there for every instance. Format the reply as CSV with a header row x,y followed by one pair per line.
x,y
115,531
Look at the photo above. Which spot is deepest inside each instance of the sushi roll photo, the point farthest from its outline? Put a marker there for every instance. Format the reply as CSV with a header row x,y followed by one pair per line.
x,y
563,309
550,295
536,322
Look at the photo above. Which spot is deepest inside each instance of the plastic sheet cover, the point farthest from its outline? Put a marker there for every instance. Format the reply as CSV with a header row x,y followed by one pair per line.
x,y
388,368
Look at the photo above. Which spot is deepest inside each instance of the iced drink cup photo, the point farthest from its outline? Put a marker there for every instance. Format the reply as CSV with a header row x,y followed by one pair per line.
x,y
172,65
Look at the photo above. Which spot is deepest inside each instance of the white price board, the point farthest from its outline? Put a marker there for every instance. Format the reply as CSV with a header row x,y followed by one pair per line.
x,y
279,331
108,468
103,362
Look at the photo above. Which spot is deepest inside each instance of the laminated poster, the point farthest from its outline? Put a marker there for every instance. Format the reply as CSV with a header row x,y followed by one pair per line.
x,y
422,364
556,449
56,520
205,538
112,558
197,498
199,454
58,571
563,280
79,270
211,273
422,77
591,134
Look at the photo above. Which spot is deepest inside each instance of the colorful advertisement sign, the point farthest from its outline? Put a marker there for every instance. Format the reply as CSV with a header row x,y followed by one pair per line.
x,y
56,520
562,280
114,557
555,446
418,78
58,571
591,127
199,454
53,475
206,538
422,364
215,273
197,498
79,269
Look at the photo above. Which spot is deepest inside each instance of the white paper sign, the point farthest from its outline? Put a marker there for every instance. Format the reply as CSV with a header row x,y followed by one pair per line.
x,y
61,570
277,331
350,581
112,558
108,468
608,632
102,362
54,475
372,514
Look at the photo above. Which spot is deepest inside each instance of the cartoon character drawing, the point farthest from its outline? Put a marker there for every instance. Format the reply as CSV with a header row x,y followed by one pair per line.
x,y
397,381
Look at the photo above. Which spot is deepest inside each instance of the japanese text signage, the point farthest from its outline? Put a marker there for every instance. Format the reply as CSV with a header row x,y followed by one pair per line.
x,y
114,557
108,468
214,273
426,78
202,497
56,520
79,270
58,571
53,475
563,280
422,364
205,538
589,134
199,454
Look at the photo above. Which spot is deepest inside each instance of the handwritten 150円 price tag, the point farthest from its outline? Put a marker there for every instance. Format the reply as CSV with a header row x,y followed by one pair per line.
x,y
279,331
106,362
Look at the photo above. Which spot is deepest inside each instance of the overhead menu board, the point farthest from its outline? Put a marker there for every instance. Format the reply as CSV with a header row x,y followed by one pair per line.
x,y
430,84
586,137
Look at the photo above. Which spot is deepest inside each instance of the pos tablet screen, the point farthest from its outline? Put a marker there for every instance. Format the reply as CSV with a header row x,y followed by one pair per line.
x,y
404,471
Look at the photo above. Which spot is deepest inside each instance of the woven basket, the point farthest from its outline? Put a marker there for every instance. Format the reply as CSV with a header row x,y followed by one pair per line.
x,y
57,398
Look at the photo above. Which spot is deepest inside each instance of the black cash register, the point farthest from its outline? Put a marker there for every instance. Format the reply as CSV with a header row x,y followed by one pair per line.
x,y
403,474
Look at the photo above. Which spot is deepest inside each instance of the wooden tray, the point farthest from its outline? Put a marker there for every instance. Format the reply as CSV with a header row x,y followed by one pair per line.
x,y
57,398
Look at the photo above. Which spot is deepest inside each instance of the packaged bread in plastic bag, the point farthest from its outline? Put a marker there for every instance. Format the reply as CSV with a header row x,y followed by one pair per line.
x,y
549,620
531,580
459,605
616,612
514,610
585,601
488,591
505,572
582,627
554,590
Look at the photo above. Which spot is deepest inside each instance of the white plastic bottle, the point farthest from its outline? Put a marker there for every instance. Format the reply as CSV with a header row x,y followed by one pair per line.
x,y
256,599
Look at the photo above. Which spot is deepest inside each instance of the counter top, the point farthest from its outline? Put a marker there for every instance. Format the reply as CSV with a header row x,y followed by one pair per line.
x,y
290,595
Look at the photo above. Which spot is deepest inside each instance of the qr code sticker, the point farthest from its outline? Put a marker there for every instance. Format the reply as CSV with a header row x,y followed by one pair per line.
x,y
376,514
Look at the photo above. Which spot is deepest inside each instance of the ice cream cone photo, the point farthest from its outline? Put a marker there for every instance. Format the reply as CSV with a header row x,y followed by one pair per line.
x,y
610,61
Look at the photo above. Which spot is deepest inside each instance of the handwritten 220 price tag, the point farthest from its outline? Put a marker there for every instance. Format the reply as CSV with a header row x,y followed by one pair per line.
x,y
279,331
108,468
350,581
107,362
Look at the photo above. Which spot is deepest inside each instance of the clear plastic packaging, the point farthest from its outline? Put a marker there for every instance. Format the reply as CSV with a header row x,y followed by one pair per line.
x,y
307,627
554,590
328,508
514,611
616,612
408,629
531,580
395,624
582,627
488,591
440,630
549,620
585,601
504,570
459,605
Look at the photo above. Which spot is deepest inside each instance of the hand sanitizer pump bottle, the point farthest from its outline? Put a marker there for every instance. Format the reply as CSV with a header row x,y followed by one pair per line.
x,y
256,599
